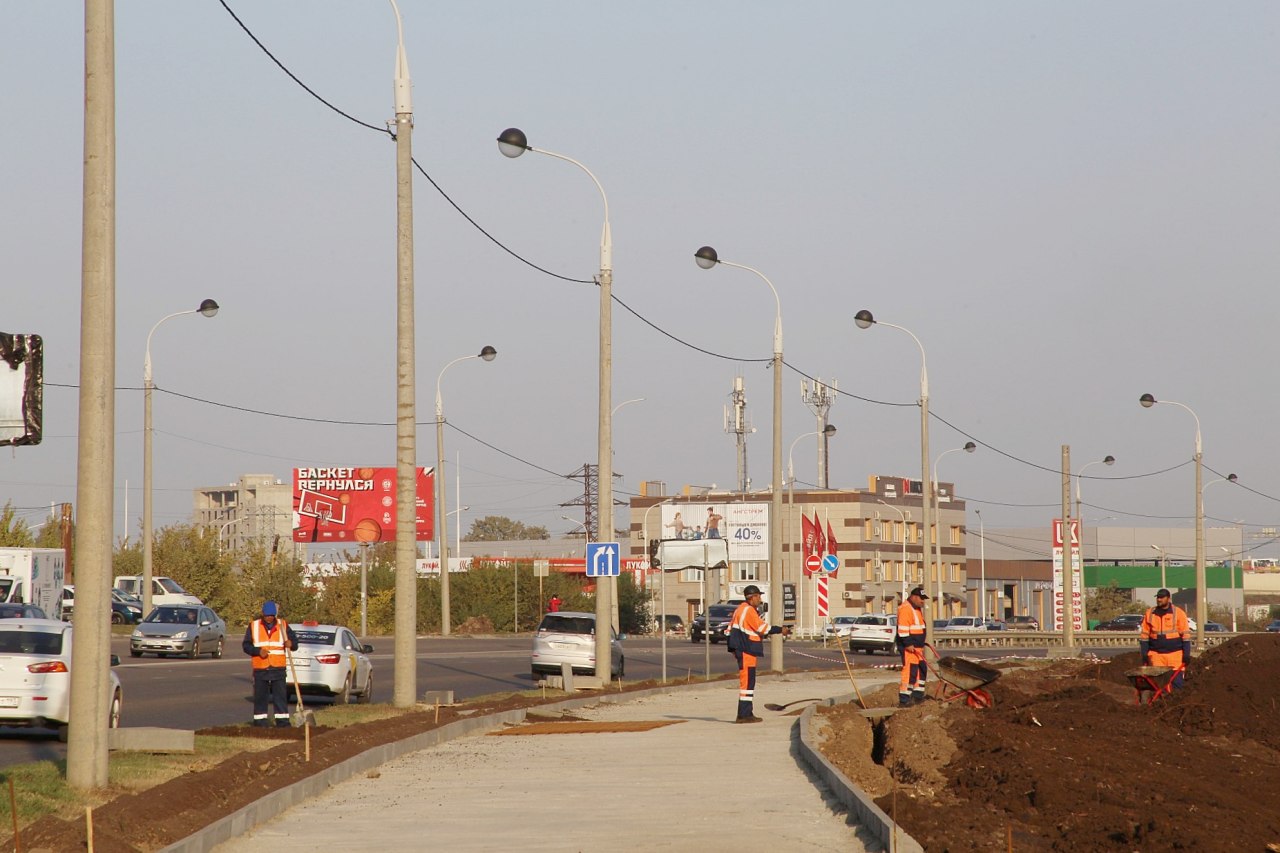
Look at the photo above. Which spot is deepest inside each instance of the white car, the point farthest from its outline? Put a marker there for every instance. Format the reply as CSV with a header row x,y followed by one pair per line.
x,y
331,661
570,637
839,626
874,632
35,676
965,623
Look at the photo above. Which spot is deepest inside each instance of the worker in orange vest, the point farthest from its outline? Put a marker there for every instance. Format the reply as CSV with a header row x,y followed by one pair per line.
x,y
747,631
1165,638
911,636
268,641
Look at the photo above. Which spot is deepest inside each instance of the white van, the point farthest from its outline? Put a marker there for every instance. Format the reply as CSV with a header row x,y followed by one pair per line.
x,y
163,590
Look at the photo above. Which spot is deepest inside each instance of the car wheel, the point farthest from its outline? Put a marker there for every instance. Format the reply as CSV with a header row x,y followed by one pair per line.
x,y
116,618
366,695
537,676
343,696
195,649
134,653
217,652
113,716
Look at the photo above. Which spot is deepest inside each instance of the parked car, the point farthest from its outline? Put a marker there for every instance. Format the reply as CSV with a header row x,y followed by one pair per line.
x,y
939,623
997,625
21,611
1274,626
179,629
125,609
570,637
1215,628
839,626
721,616
963,623
35,676
1022,623
330,661
675,625
874,632
1123,622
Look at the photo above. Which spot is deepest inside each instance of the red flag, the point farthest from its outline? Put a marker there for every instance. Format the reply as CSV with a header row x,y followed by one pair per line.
x,y
832,546
809,538
822,540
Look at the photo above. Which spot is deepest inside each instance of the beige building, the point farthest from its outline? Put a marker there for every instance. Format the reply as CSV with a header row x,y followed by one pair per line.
x,y
880,547
255,508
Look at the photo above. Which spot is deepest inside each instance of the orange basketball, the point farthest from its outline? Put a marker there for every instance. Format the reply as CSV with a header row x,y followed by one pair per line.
x,y
368,530
366,473
344,498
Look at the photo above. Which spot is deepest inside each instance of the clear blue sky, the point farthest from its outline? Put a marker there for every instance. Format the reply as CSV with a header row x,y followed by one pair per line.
x,y
1070,204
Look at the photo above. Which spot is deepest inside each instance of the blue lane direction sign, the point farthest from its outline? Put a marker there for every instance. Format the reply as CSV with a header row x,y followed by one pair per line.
x,y
603,559
830,563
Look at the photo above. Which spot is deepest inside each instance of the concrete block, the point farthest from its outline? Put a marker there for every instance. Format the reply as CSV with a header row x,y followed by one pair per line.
x,y
151,739
438,697
586,682
566,677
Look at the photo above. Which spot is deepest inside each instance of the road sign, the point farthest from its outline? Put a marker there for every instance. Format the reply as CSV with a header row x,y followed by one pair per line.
x,y
603,559
812,563
830,563
541,568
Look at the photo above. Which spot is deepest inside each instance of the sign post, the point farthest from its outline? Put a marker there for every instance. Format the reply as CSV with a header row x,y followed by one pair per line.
x,y
1077,582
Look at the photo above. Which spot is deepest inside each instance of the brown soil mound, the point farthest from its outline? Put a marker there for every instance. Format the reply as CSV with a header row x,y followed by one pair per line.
x,y
1067,761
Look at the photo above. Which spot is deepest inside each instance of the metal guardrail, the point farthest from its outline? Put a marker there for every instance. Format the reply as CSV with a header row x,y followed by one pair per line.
x,y
1039,639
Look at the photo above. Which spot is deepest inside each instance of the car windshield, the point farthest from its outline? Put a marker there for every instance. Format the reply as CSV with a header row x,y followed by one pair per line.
x,y
844,620
723,611
172,615
171,586
124,598
30,643
312,637
558,624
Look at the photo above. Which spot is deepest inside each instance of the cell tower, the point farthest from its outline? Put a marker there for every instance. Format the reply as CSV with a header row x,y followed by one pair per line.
x,y
819,398
735,421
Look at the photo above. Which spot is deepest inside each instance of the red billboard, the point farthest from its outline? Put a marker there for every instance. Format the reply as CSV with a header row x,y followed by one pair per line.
x,y
355,505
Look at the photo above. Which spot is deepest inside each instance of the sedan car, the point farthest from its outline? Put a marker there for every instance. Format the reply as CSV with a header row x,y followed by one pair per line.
x,y
330,661
35,676
721,616
964,623
874,632
1273,626
1123,622
1022,623
570,637
839,627
1215,628
125,609
179,629
21,611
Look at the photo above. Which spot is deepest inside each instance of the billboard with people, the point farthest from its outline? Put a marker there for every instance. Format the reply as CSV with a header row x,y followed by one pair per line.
x,y
356,505
745,526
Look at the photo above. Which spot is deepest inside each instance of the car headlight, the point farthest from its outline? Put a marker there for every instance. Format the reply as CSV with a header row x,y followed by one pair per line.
x,y
137,632
137,611
181,635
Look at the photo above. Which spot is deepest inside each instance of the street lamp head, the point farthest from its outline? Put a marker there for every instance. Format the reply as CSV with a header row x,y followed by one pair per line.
x,y
706,257
863,319
512,142
1108,460
1147,401
488,353
1231,478
969,447
208,308
829,429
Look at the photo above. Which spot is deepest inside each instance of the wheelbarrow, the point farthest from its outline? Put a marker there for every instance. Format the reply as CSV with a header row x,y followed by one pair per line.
x,y
1152,682
962,678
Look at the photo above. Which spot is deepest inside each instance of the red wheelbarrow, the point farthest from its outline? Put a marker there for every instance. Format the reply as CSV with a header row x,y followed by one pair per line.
x,y
962,678
1152,682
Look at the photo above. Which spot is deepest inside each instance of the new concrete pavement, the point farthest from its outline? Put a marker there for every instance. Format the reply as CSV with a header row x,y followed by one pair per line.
x,y
702,784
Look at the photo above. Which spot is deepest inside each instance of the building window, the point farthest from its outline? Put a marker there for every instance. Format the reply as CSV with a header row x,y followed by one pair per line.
x,y
868,571
955,534
746,571
691,576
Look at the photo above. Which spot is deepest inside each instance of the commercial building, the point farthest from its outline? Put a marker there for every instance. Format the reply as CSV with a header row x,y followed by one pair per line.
x,y
255,508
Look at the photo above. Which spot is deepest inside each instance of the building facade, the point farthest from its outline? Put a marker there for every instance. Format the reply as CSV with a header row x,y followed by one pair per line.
x,y
255,508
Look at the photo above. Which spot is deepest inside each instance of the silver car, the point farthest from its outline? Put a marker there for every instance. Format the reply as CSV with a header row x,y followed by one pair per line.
x,y
35,676
330,661
570,637
179,629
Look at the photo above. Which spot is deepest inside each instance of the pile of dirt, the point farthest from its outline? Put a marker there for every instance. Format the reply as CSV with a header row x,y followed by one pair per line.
x,y
1067,761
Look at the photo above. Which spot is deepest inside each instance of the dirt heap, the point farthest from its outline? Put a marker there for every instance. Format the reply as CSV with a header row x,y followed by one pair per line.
x,y
1067,761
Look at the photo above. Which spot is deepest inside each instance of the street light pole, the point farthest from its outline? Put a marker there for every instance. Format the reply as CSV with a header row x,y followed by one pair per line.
x,y
487,353
864,320
1106,460
826,431
1164,584
406,590
662,576
904,516
982,550
707,258
208,308
512,142
1202,609
968,447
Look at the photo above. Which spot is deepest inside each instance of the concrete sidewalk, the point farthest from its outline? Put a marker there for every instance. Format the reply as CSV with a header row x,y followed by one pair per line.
x,y
700,784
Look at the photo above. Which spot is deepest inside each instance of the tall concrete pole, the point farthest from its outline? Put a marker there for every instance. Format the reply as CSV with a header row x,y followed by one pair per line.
x,y
1068,564
95,466
406,611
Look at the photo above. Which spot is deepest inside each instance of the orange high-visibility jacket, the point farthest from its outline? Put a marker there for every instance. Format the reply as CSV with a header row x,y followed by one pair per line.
x,y
273,641
910,625
1166,631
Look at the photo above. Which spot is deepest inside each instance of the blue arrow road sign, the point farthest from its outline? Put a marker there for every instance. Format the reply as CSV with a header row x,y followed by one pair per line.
x,y
830,563
603,559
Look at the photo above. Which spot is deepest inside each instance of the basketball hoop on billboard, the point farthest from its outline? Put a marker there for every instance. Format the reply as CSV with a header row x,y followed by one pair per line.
x,y
21,389
355,505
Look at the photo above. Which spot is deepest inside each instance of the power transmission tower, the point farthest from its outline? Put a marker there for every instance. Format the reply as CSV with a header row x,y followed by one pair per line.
x,y
590,476
735,421
819,399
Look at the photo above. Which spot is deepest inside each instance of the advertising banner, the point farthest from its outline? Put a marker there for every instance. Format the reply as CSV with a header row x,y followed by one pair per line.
x,y
355,505
745,527
1077,580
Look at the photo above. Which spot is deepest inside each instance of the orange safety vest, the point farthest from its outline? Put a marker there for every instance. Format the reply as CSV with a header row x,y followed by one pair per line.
x,y
747,620
1168,631
910,625
273,641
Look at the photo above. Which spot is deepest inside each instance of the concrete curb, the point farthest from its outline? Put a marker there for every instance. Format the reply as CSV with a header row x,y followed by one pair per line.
x,y
877,823
277,802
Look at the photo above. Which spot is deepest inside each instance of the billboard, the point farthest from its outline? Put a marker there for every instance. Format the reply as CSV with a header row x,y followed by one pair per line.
x,y
745,526
355,505
1077,582
21,389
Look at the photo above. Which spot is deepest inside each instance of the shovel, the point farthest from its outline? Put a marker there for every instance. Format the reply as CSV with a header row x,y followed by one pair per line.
x,y
773,706
301,717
